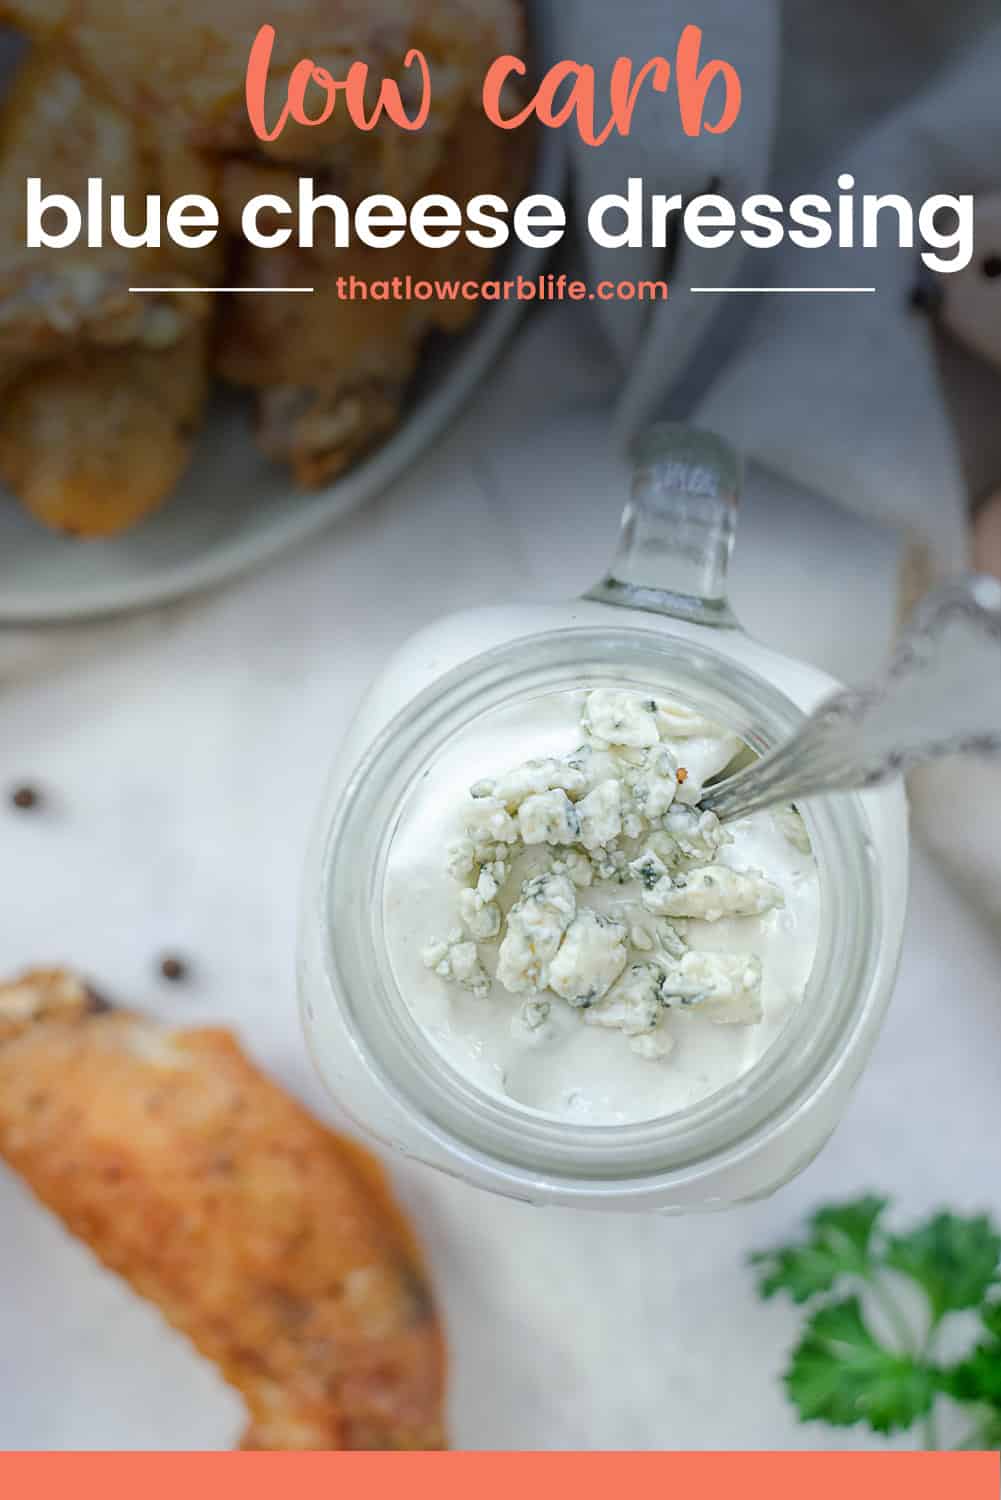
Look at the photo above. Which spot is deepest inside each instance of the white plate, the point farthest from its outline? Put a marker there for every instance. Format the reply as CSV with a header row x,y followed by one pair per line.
x,y
233,509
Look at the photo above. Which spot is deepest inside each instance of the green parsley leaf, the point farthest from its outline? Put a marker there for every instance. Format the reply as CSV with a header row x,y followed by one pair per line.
x,y
839,1245
850,1225
803,1271
954,1260
990,1316
978,1377
839,1374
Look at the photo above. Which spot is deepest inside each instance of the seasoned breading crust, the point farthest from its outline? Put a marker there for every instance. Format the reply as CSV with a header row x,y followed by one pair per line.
x,y
92,443
270,1241
53,302
101,392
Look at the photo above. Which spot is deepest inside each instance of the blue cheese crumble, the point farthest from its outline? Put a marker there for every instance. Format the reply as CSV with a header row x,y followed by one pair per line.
x,y
712,893
599,815
456,959
535,927
634,1007
620,719
548,818
590,959
725,986
581,880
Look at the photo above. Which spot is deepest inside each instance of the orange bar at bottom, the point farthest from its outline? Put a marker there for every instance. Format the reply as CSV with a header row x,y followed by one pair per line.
x,y
498,1476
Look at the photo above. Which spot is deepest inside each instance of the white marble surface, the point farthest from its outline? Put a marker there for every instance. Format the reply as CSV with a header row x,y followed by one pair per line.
x,y
182,759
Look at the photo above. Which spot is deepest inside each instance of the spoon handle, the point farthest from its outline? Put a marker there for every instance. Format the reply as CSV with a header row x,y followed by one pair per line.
x,y
940,695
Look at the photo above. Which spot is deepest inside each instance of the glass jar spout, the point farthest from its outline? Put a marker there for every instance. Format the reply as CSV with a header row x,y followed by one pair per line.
x,y
678,528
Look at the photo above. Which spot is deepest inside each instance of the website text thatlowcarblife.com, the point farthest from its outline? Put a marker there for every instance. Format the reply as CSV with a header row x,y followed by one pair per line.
x,y
545,288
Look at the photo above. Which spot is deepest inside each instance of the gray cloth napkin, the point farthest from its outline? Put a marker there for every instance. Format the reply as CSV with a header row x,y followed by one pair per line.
x,y
840,395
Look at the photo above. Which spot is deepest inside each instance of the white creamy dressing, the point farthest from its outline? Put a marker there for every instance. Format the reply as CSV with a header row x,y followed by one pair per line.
x,y
561,1066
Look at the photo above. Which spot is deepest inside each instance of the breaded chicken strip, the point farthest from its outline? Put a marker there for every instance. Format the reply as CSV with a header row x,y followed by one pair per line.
x,y
101,391
332,373
92,443
52,301
270,1241
187,61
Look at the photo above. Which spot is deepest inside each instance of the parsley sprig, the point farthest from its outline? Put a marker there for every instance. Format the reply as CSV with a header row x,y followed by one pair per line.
x,y
852,1270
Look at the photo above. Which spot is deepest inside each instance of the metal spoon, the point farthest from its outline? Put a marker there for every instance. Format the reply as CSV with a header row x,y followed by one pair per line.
x,y
940,695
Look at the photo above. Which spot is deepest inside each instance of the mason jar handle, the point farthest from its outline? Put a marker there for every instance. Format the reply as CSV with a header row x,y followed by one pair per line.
x,y
678,528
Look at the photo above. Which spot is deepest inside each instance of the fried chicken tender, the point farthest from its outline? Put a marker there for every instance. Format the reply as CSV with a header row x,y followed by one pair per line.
x,y
187,62
272,1243
92,443
52,301
332,373
101,392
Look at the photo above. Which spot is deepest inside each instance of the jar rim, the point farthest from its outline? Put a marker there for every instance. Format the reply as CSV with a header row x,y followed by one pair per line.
x,y
495,1136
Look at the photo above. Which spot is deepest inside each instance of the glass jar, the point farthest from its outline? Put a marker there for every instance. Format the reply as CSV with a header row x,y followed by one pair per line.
x,y
658,623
